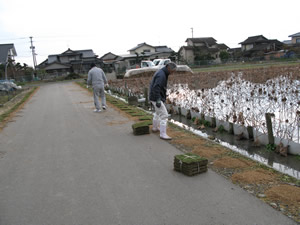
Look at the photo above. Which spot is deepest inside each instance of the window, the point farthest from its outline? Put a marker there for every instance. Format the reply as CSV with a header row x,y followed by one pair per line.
x,y
167,61
298,40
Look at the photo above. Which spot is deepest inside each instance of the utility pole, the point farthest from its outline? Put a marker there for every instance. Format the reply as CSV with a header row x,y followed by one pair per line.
x,y
33,54
6,64
192,32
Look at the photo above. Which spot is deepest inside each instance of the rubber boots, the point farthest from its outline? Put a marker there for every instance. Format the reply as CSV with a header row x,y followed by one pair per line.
x,y
163,130
155,125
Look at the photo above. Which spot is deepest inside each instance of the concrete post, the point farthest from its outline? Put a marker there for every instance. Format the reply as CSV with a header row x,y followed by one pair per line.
x,y
269,127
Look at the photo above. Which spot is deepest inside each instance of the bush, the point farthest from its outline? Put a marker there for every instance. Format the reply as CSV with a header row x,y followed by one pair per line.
x,y
72,76
221,129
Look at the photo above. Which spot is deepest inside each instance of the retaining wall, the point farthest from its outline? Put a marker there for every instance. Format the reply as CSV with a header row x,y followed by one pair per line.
x,y
294,148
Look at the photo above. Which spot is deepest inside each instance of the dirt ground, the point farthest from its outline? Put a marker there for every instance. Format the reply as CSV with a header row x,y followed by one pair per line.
x,y
228,162
207,80
257,176
259,180
287,196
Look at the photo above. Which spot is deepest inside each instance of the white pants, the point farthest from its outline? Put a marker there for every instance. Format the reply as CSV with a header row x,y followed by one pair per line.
x,y
99,91
161,113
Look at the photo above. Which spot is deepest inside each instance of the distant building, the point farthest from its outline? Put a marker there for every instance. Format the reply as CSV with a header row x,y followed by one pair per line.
x,y
78,61
259,45
108,61
295,39
136,54
145,51
197,49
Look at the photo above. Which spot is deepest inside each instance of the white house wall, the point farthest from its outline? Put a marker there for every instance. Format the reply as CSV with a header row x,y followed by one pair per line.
x,y
187,55
142,49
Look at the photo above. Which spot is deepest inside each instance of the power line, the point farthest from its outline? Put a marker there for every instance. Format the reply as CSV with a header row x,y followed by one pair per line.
x,y
12,39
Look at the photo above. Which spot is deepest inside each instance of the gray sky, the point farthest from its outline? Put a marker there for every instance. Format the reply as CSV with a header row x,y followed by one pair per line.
x,y
118,25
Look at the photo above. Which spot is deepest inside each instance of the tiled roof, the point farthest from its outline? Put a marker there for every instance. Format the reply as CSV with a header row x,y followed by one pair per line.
x,y
254,39
140,45
109,56
209,40
163,48
86,53
295,35
222,46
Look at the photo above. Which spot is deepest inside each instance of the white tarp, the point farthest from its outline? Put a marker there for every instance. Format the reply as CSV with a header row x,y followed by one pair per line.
x,y
8,86
132,72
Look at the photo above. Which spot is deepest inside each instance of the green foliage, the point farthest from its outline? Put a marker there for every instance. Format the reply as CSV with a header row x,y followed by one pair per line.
x,y
137,114
271,147
72,76
206,123
189,158
15,107
289,179
224,55
221,129
20,83
146,118
141,124
193,119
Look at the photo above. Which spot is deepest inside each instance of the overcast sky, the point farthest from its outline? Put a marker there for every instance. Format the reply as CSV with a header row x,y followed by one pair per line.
x,y
118,25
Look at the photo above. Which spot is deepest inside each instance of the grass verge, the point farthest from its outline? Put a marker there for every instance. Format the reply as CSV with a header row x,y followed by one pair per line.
x,y
17,105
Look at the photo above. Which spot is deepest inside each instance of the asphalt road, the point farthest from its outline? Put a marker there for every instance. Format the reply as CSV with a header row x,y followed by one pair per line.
x,y
62,164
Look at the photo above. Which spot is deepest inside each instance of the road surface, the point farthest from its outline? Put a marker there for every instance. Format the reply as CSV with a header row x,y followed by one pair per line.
x,y
63,164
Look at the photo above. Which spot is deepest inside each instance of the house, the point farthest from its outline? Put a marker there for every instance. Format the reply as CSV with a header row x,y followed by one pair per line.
x,y
295,39
292,46
149,52
108,61
7,51
197,49
235,53
259,45
69,61
141,52
142,49
108,64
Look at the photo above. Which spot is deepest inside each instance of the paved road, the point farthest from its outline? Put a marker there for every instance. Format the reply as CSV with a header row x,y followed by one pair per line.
x,y
62,164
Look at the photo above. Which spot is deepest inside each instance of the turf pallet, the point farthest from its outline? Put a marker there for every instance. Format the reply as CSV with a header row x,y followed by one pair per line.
x,y
190,164
141,128
146,118
137,114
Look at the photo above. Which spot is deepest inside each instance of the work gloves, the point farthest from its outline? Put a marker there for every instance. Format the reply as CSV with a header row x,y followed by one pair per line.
x,y
158,103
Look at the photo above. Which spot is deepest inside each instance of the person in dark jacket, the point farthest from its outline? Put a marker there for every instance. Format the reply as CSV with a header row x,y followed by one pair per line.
x,y
157,96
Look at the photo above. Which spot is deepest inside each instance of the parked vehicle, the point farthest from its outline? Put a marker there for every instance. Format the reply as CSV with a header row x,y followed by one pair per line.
x,y
161,62
147,64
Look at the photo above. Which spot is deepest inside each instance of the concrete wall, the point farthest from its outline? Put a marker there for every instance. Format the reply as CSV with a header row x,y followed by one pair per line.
x,y
190,43
187,55
247,47
111,76
295,40
294,148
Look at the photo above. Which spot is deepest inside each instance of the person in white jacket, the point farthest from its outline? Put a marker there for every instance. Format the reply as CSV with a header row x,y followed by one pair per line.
x,y
97,78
